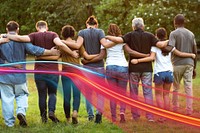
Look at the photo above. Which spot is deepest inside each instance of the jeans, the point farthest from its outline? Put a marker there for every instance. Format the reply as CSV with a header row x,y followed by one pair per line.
x,y
8,94
185,72
67,86
146,78
118,76
46,84
100,101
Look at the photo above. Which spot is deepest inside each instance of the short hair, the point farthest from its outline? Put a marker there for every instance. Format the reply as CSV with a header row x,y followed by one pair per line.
x,y
12,26
92,20
179,19
161,33
137,23
41,24
68,31
114,30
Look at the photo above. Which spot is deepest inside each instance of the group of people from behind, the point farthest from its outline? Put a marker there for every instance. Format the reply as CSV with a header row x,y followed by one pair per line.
x,y
92,44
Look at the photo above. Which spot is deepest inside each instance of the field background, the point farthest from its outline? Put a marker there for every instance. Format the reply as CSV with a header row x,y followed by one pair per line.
x,y
84,126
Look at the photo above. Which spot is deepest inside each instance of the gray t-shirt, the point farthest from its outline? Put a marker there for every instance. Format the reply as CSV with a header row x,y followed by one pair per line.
x,y
184,41
92,45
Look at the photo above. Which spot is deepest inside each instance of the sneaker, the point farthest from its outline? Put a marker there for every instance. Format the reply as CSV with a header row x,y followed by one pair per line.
x,y
74,117
44,119
91,118
122,118
151,120
53,117
98,118
22,120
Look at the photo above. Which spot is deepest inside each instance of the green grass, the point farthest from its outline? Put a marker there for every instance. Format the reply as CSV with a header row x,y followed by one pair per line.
x,y
84,126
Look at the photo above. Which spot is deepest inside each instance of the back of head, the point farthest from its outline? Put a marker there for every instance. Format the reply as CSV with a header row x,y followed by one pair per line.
x,y
179,20
12,26
137,23
41,24
67,31
114,30
161,33
92,21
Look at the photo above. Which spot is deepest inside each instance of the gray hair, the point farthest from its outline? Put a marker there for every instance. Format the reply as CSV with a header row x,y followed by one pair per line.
x,y
137,23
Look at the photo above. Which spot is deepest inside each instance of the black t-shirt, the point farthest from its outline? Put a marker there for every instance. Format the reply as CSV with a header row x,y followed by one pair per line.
x,y
140,41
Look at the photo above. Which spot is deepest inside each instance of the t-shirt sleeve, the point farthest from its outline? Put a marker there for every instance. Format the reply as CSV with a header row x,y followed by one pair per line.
x,y
80,33
101,34
154,40
172,40
32,37
154,49
55,35
126,38
34,50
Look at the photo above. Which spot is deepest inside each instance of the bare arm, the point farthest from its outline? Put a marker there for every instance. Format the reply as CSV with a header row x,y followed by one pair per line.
x,y
19,38
115,39
183,54
162,44
97,58
106,43
89,57
145,59
4,40
52,54
133,52
65,48
74,45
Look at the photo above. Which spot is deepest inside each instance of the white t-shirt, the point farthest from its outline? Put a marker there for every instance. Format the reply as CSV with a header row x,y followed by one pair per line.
x,y
162,63
115,56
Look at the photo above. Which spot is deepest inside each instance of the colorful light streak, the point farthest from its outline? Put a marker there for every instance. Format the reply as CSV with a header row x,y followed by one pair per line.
x,y
82,79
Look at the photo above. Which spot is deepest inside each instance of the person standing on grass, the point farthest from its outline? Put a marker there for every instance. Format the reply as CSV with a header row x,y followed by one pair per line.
x,y
92,38
117,69
184,68
140,41
68,33
46,83
163,70
13,85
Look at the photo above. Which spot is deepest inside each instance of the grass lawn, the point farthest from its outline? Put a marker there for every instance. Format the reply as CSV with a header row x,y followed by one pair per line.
x,y
84,126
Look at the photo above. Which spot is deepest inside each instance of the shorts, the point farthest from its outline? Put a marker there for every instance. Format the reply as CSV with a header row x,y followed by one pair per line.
x,y
163,77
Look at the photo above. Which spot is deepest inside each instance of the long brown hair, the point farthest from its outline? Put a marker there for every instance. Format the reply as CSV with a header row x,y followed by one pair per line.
x,y
114,30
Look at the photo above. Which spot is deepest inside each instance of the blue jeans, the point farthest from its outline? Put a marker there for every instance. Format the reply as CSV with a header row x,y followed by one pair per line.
x,y
100,101
8,94
118,76
46,84
146,78
67,86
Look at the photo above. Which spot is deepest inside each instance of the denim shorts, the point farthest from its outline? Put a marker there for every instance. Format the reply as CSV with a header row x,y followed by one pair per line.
x,y
163,77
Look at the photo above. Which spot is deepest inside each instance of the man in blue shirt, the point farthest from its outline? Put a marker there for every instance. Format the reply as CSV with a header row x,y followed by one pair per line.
x,y
13,86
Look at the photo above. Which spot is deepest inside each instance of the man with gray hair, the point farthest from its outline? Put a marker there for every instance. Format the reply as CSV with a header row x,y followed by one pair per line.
x,y
140,41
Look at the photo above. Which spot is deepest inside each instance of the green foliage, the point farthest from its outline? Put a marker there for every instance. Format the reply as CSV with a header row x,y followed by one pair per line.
x,y
156,13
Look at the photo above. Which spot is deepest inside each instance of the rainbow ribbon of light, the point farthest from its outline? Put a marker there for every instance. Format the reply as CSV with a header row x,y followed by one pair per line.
x,y
87,80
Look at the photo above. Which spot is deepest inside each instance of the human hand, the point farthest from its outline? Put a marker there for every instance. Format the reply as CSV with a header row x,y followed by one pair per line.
x,y
194,74
55,51
193,56
84,61
134,61
75,54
